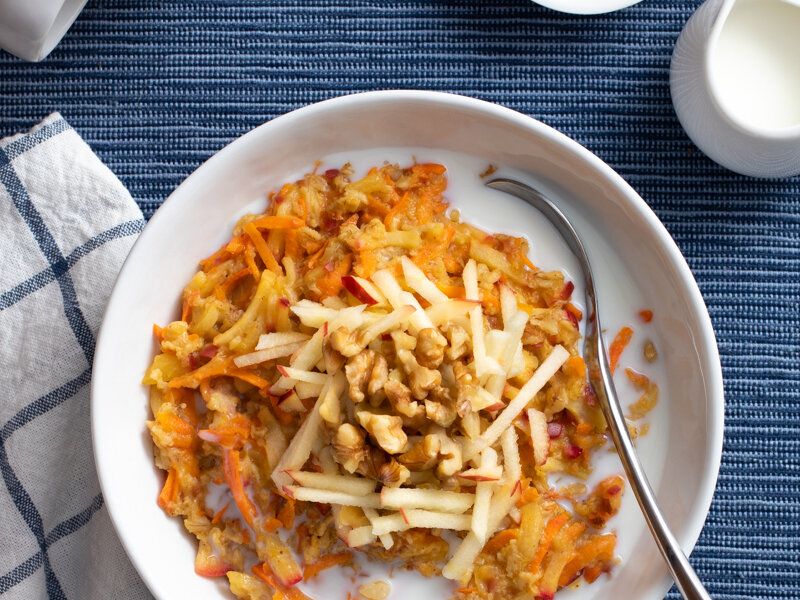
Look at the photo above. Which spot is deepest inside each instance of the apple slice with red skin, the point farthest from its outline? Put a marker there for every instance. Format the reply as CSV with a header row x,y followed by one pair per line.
x,y
363,290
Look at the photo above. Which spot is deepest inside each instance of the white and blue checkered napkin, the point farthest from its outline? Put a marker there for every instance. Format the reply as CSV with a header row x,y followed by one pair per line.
x,y
66,226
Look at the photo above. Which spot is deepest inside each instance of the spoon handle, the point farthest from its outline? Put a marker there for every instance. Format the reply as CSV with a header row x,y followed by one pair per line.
x,y
684,575
600,377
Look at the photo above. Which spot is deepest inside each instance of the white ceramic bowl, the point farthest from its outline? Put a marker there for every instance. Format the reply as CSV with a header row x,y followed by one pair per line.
x,y
632,252
587,7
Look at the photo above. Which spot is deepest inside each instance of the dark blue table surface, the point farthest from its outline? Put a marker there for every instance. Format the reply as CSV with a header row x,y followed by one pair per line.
x,y
156,87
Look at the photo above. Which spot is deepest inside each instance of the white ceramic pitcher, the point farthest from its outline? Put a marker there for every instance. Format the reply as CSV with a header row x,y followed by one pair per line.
x,y
735,82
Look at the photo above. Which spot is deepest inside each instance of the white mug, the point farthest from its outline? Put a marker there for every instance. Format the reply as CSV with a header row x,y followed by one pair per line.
x,y
735,83
30,29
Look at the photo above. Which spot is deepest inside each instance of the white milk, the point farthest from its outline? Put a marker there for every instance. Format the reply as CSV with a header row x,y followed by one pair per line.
x,y
756,63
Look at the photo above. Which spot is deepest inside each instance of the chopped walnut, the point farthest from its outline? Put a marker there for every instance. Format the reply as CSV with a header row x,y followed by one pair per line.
x,y
393,474
458,338
440,394
439,413
421,379
332,359
440,408
403,341
349,447
399,397
373,462
377,379
650,352
466,388
430,348
423,454
375,590
366,372
357,371
345,342
450,455
386,430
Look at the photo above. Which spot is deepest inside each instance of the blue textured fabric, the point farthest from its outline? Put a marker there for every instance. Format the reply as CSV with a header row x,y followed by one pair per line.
x,y
158,87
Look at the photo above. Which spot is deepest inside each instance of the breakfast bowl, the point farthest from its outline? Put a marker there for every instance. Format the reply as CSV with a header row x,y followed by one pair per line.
x,y
587,7
638,268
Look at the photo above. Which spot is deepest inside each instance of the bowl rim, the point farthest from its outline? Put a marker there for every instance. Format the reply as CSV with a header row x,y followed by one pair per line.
x,y
582,7
710,359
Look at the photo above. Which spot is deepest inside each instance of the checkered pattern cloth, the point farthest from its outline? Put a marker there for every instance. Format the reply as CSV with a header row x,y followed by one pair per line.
x,y
67,226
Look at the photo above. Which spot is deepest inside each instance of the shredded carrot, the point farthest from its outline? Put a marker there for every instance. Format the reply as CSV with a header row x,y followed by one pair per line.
x,y
528,308
326,562
250,261
529,494
499,540
218,516
368,262
591,573
232,248
303,207
331,283
640,380
286,513
231,467
249,377
232,433
434,249
314,258
263,249
186,307
575,366
158,333
397,209
272,525
646,315
291,248
184,398
284,418
182,434
621,340
169,492
222,290
452,291
599,549
215,367
574,311
277,222
550,531
491,301
428,169
529,264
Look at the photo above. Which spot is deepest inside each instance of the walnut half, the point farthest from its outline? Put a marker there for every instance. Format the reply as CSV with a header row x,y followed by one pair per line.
x,y
400,398
345,342
420,379
349,447
386,430
430,348
423,454
366,373
393,474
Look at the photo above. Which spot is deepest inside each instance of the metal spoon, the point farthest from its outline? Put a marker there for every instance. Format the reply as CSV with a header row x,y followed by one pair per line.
x,y
594,351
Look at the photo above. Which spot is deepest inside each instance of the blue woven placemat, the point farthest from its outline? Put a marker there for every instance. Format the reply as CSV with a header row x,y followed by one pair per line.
x,y
157,87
